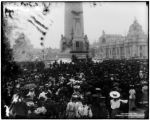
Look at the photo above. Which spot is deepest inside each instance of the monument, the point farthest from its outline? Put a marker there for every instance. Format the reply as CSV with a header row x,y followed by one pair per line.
x,y
74,42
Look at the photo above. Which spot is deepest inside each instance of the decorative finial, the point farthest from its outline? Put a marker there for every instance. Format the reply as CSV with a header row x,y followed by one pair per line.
x,y
135,19
103,32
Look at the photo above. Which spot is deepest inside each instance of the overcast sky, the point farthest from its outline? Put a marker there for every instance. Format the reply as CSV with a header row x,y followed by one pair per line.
x,y
112,17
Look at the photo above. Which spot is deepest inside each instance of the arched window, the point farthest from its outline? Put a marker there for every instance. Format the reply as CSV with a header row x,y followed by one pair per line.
x,y
77,44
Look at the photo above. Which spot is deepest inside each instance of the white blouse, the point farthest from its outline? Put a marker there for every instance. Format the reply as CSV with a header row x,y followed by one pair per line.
x,y
116,104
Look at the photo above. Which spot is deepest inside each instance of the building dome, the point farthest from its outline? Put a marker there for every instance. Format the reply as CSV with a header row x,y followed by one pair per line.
x,y
135,32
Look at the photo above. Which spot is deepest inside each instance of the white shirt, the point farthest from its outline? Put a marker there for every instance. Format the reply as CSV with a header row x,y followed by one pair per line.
x,y
84,110
70,106
15,98
30,103
70,109
78,107
116,104
31,94
7,110
40,110
43,95
144,88
132,93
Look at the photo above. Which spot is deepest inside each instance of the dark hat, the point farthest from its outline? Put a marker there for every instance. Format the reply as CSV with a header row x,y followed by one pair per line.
x,y
31,89
95,95
88,93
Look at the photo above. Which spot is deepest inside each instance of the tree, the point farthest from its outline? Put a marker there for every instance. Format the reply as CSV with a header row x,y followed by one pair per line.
x,y
7,58
10,69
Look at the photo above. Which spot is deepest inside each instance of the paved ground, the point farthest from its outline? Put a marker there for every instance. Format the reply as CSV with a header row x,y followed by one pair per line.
x,y
138,113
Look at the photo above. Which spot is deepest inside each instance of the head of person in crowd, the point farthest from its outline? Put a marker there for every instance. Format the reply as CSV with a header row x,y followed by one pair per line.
x,y
17,98
84,101
116,88
112,78
32,89
141,74
76,88
132,86
98,91
145,83
74,98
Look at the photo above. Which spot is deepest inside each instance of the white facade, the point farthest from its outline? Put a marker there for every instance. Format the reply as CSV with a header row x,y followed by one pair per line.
x,y
134,45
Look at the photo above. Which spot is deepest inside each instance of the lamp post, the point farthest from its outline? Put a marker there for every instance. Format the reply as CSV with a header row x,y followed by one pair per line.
x,y
43,54
42,44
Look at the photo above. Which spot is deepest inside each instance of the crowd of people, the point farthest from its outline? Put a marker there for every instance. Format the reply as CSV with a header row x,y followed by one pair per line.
x,y
77,90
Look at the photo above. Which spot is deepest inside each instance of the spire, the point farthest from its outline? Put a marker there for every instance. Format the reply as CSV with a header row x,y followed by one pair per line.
x,y
103,32
135,20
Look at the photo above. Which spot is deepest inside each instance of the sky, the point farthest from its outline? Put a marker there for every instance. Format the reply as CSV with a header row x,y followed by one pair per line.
x,y
112,17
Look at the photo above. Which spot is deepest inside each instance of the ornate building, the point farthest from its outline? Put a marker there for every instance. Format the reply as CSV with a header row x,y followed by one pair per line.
x,y
22,49
134,45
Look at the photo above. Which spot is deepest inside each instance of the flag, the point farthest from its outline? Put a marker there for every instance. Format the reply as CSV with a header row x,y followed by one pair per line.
x,y
41,31
39,23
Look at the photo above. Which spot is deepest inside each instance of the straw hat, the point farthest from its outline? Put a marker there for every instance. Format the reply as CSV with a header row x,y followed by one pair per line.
x,y
145,83
98,89
75,96
114,94
76,87
131,85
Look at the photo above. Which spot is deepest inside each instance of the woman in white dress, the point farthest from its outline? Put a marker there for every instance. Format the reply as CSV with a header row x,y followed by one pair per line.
x,y
132,98
115,103
145,93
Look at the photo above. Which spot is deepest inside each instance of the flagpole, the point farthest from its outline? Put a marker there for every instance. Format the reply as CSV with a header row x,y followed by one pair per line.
x,y
43,51
43,54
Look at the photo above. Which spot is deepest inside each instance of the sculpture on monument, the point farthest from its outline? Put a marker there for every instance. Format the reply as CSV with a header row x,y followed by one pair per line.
x,y
86,42
63,43
77,24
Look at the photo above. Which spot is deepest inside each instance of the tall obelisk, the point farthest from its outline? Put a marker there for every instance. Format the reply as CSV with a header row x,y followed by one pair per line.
x,y
74,39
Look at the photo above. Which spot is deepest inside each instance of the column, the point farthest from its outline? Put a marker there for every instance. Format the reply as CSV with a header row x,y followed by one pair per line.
x,y
125,51
138,51
145,52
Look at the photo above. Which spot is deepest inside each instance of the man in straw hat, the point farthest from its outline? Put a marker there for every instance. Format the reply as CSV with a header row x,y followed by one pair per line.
x,y
115,103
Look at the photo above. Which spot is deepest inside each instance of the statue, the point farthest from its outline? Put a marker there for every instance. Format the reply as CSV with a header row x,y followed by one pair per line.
x,y
77,23
77,27
86,43
63,43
